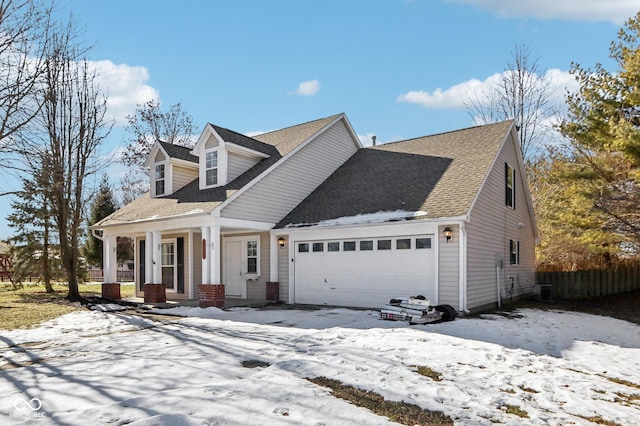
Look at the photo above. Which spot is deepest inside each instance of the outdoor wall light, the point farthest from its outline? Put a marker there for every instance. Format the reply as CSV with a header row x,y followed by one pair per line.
x,y
281,242
448,233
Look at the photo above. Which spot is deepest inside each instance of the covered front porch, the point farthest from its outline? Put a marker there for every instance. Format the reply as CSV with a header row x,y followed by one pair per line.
x,y
214,264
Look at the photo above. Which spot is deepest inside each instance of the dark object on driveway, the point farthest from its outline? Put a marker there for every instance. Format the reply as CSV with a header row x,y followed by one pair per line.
x,y
416,310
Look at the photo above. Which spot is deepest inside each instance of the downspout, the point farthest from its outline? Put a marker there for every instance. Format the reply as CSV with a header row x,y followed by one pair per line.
x,y
498,284
462,254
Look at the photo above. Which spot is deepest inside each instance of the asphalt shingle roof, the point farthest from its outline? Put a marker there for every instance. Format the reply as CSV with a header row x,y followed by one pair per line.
x,y
177,151
439,174
190,199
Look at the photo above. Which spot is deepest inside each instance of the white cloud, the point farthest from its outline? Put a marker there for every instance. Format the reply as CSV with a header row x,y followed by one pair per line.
x,y
308,88
616,11
125,87
460,94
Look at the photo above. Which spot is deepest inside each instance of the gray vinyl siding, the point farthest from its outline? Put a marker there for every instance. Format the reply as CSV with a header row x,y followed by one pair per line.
x,y
449,268
238,164
492,224
283,271
182,176
275,195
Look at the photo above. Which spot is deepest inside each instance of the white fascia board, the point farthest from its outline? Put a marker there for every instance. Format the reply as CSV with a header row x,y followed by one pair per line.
x,y
352,132
520,159
153,152
394,229
181,162
244,224
342,228
277,163
204,136
185,221
242,150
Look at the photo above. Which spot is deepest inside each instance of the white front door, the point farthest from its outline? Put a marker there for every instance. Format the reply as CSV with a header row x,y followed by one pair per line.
x,y
234,280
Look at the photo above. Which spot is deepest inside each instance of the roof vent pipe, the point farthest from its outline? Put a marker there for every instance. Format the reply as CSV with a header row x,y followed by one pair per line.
x,y
373,138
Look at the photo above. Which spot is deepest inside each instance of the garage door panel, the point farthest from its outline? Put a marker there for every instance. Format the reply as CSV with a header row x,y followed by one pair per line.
x,y
363,278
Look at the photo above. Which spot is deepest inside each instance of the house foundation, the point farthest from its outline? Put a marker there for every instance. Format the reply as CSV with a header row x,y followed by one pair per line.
x,y
155,293
211,295
111,291
273,291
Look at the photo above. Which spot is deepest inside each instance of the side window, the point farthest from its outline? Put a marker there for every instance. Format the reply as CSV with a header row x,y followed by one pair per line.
x,y
514,252
252,257
510,186
211,167
159,178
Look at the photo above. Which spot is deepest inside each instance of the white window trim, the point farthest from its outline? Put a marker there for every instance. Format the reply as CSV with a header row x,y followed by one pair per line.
x,y
221,169
173,241
167,181
512,203
245,262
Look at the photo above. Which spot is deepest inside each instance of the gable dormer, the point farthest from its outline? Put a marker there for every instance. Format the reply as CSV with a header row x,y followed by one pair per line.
x,y
170,168
224,155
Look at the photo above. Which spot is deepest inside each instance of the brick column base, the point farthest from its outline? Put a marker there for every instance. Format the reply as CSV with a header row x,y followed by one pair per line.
x,y
111,291
155,293
211,295
273,291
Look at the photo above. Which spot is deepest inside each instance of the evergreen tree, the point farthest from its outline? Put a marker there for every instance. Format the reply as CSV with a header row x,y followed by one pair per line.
x,y
103,205
603,128
31,244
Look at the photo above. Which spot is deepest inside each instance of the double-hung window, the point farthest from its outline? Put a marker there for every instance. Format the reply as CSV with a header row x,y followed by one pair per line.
x,y
514,252
252,257
510,186
159,178
211,168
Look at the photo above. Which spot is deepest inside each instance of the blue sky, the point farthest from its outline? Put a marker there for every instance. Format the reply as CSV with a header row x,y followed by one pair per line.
x,y
398,68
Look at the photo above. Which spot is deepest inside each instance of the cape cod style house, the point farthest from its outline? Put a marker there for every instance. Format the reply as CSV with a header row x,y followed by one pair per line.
x,y
307,215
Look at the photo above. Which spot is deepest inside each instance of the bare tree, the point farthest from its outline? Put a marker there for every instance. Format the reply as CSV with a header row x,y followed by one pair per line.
x,y
524,94
73,116
23,36
147,126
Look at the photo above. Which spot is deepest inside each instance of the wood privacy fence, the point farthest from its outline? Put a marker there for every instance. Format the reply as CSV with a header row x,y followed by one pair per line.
x,y
588,284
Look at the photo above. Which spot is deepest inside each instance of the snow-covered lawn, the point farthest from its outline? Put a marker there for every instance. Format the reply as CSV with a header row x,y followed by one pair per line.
x,y
90,368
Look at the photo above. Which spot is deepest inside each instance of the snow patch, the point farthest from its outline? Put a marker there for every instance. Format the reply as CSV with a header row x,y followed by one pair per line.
x,y
379,217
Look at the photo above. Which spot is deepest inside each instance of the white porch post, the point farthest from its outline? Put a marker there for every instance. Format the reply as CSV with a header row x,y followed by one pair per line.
x,y
157,257
216,252
273,257
109,258
206,254
148,258
190,264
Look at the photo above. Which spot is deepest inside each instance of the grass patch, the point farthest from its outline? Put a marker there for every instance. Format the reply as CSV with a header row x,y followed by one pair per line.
x,y
400,412
622,382
428,372
31,305
599,420
526,389
626,399
514,409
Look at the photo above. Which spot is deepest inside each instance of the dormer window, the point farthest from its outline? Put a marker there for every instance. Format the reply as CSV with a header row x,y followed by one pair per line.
x,y
211,168
159,179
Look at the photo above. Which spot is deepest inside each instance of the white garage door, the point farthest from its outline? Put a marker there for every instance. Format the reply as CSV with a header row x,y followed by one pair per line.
x,y
364,272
